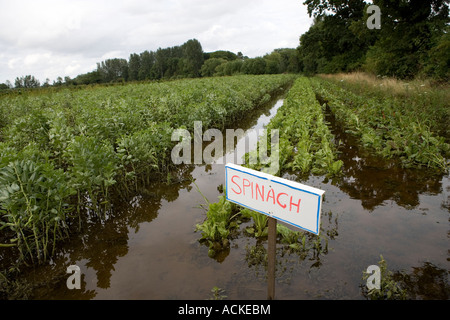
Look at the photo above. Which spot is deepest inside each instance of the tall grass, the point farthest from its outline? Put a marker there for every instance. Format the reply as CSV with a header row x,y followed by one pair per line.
x,y
387,85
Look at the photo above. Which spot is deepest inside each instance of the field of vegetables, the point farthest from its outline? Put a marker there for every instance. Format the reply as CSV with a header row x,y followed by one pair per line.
x,y
68,156
64,153
384,127
407,129
305,146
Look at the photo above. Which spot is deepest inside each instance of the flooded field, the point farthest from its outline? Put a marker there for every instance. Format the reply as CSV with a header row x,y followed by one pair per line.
x,y
150,249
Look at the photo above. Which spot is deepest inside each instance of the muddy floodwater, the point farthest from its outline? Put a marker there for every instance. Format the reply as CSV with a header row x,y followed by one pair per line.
x,y
149,248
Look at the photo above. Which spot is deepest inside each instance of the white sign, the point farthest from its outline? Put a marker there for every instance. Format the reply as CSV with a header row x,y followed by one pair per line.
x,y
288,201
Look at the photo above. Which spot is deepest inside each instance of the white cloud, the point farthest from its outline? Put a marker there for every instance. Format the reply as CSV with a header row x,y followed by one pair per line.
x,y
55,38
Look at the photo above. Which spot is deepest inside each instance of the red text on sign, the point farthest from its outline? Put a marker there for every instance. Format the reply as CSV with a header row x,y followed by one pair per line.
x,y
245,187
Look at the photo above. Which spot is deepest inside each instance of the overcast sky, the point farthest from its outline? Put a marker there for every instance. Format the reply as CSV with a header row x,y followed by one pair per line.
x,y
48,39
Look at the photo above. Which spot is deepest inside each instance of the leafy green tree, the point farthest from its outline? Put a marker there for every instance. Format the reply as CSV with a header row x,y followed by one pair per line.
x,y
412,39
259,66
344,8
229,68
273,63
160,62
113,70
27,81
311,49
68,81
222,54
289,60
208,68
193,53
254,66
6,85
437,63
58,82
147,68
175,67
134,66
331,45
410,30
88,78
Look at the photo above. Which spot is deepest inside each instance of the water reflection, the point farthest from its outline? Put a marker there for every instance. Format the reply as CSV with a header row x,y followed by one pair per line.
x,y
306,253
373,180
101,243
426,282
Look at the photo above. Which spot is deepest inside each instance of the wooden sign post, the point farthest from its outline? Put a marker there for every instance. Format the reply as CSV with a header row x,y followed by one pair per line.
x,y
271,258
280,199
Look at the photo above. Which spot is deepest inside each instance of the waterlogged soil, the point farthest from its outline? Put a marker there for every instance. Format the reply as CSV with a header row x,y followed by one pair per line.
x,y
150,250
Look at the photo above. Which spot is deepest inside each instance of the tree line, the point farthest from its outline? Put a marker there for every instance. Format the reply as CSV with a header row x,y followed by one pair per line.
x,y
185,61
413,40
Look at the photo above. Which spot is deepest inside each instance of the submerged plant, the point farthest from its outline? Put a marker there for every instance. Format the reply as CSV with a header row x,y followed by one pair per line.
x,y
260,227
218,293
216,228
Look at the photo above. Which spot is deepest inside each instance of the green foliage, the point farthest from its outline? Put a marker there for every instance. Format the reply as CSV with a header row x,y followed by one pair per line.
x,y
291,238
90,144
31,127
411,40
215,229
92,167
209,66
221,54
34,205
437,61
334,42
218,293
302,242
385,126
260,227
193,54
278,61
27,81
143,153
113,70
305,141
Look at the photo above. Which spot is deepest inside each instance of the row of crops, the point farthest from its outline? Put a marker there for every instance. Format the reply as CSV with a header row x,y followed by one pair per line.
x,y
307,146
391,127
65,154
386,126
306,143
